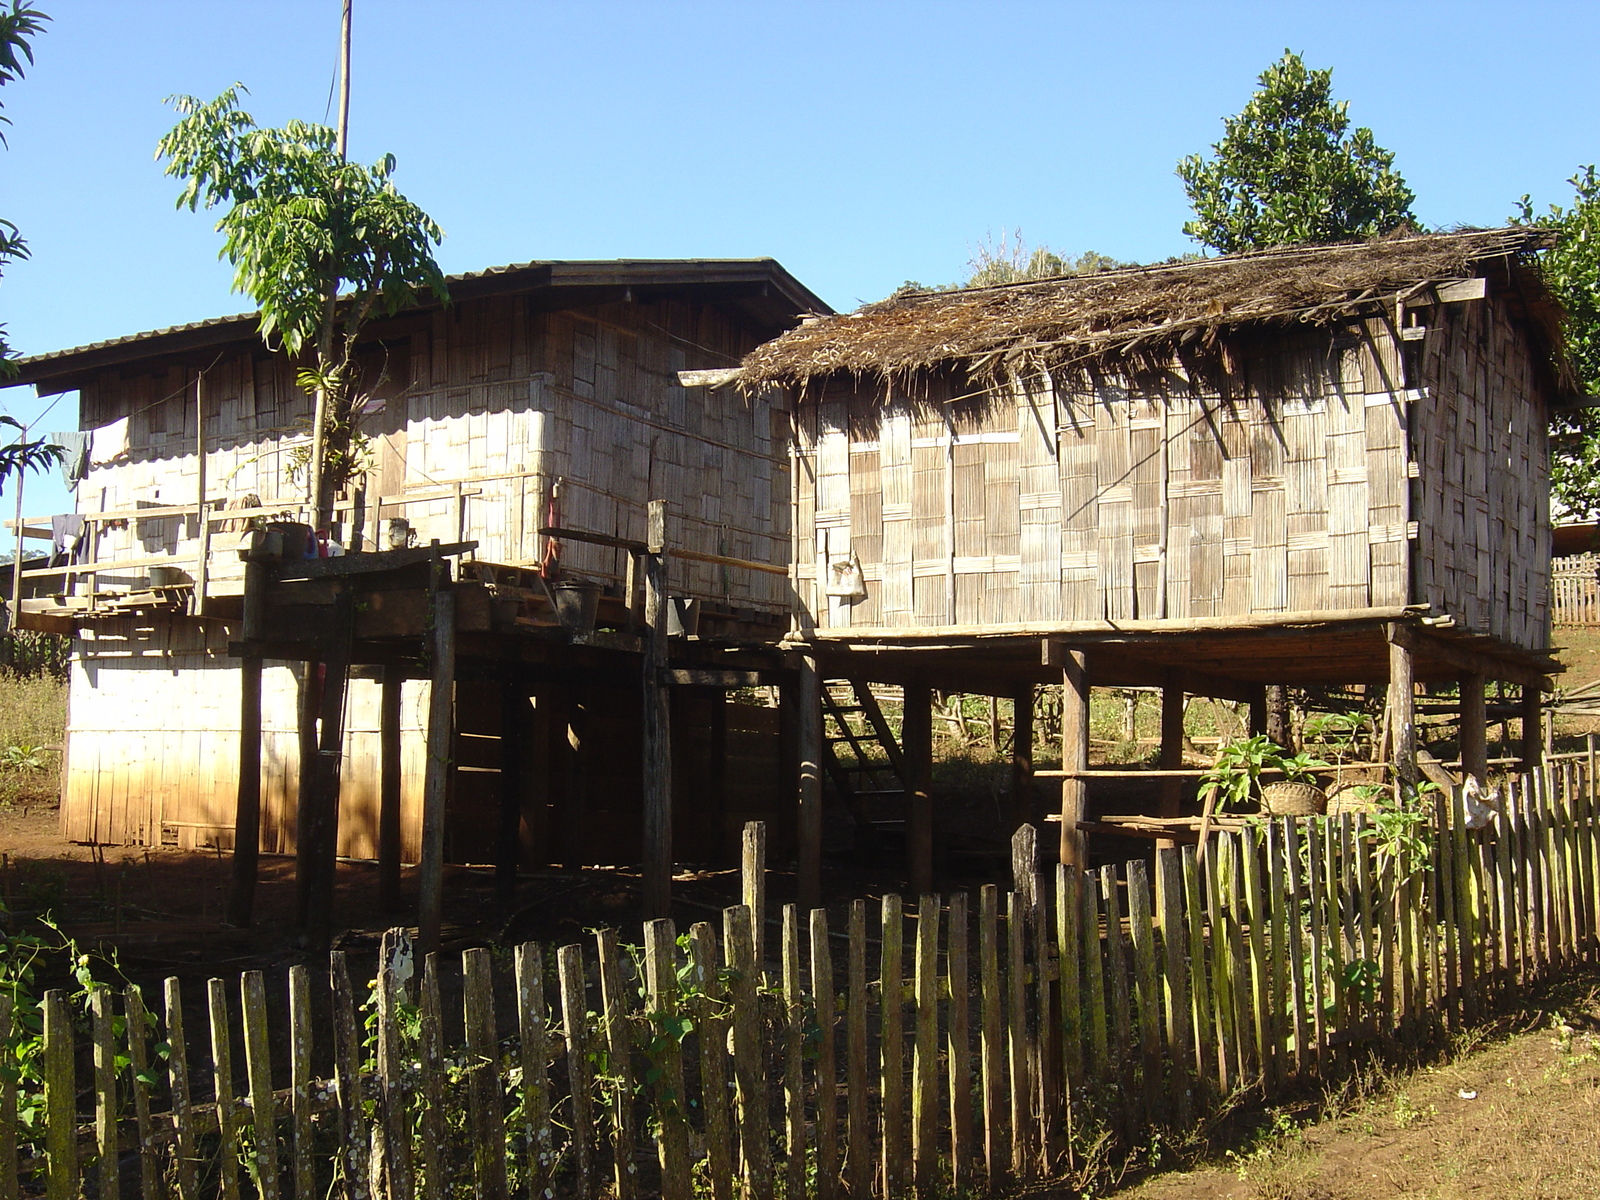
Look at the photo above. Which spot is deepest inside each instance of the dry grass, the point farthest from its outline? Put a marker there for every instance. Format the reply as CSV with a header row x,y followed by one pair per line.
x,y
1514,1114
33,715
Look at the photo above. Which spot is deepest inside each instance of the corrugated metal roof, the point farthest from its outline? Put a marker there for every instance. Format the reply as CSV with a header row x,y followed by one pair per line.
x,y
668,274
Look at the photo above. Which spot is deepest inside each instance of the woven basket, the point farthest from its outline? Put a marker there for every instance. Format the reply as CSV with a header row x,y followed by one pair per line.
x,y
1350,798
1285,799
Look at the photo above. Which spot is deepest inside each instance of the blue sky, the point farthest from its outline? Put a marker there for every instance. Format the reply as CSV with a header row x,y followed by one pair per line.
x,y
861,144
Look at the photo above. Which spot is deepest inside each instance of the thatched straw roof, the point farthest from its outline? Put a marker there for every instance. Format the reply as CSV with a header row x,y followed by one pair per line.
x,y
1145,311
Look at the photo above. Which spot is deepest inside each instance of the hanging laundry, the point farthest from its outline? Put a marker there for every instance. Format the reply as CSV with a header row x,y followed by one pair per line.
x,y
66,538
75,460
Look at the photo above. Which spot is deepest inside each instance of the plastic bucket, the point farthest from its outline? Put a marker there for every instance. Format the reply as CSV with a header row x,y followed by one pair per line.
x,y
576,601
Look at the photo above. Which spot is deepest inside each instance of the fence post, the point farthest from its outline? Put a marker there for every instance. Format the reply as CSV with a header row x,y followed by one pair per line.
x,y
619,1050
827,1113
661,978
574,1021
60,1100
892,1086
959,1049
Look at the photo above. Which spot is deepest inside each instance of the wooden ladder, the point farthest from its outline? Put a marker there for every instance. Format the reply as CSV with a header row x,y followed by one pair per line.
x,y
874,777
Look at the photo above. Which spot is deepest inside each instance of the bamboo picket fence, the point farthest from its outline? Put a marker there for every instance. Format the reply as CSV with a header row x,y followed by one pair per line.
x,y
950,1044
1574,594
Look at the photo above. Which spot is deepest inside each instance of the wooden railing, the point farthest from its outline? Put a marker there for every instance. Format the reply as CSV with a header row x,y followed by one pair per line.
x,y
1574,597
945,1043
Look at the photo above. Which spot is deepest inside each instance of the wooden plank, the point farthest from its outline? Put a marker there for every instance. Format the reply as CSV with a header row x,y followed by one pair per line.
x,y
1175,963
436,779
1044,1057
432,1145
1020,1036
183,1150
958,1050
1316,892
1199,977
1069,973
258,1073
1223,995
354,1137
222,1083
750,1081
301,1041
9,1189
619,1071
107,1171
60,1099
1147,986
1074,756
1295,947
753,884
793,1032
858,1155
580,1079
1118,992
671,1111
656,755
706,1006
925,1060
991,1039
826,1086
247,800
1262,1015
140,1082
393,1171
891,989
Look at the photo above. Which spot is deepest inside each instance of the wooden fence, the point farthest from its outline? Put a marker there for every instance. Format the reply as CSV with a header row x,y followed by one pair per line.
x,y
951,1042
1574,596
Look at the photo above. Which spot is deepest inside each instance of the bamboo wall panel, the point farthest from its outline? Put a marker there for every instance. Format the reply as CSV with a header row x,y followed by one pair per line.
x,y
1287,486
1483,475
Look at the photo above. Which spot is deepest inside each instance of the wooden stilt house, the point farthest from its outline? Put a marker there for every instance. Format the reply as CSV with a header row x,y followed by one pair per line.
x,y
1322,465
544,397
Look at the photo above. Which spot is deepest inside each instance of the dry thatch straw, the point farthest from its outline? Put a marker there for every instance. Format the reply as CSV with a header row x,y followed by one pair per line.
x,y
1147,313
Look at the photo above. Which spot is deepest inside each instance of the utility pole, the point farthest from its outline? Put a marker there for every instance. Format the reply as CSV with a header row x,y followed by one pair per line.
x,y
16,563
344,80
320,420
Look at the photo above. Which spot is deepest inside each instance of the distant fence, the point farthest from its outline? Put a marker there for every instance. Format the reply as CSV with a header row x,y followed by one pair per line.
x,y
25,652
1574,596
949,1043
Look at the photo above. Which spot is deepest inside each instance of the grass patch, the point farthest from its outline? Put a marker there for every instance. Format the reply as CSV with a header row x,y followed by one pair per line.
x,y
33,716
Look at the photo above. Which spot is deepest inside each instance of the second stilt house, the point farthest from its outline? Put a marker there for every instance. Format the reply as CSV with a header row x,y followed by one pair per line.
x,y
1321,465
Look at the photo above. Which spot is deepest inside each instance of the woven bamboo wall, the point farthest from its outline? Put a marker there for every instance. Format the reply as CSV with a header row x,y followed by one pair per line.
x,y
1286,487
1483,476
483,411
486,404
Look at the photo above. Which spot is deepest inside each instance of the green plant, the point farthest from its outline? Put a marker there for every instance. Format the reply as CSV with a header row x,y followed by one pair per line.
x,y
22,757
1236,773
1401,830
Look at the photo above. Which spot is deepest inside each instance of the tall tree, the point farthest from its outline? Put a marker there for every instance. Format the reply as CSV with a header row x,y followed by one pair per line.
x,y
320,244
19,25
1572,271
1289,170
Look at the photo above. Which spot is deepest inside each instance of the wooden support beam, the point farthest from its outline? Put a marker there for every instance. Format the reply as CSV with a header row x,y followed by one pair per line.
x,y
310,705
364,564
1258,711
657,732
808,689
1532,733
1474,735
436,779
709,677
1402,707
247,802
389,778
917,746
508,844
1278,723
1464,659
1074,756
1022,783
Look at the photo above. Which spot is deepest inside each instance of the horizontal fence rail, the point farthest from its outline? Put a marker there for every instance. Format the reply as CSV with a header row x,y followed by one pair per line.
x,y
913,1047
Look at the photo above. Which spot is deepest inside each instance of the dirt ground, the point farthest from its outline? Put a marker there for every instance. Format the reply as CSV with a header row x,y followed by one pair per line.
x,y
1514,1115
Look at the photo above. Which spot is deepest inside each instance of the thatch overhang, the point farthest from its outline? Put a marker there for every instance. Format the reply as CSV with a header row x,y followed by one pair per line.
x,y
1147,316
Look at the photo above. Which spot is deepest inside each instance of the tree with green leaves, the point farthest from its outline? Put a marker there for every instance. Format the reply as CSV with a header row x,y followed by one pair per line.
x,y
1290,170
1571,269
322,246
19,25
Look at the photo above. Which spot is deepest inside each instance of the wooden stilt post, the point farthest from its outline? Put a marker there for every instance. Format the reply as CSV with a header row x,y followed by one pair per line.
x,y
247,805
1403,709
329,761
1474,736
808,690
1022,794
1074,755
436,779
657,739
1171,758
513,731
1258,711
917,746
389,788
1277,722
305,822
1532,733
